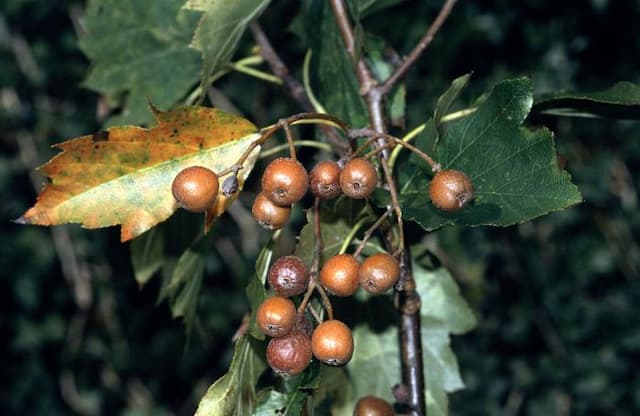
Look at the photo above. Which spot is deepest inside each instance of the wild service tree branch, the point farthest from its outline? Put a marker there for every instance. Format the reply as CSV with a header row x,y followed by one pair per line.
x,y
408,299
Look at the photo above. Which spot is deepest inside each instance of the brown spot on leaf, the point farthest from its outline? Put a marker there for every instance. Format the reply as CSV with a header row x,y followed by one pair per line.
x,y
100,136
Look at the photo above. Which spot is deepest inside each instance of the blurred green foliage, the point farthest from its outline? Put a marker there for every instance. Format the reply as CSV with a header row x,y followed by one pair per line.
x,y
556,298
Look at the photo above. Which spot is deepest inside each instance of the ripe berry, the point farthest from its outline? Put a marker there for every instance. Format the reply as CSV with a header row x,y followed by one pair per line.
x,y
379,273
451,190
373,406
289,355
358,178
288,276
339,275
332,342
195,188
285,181
276,316
268,214
324,180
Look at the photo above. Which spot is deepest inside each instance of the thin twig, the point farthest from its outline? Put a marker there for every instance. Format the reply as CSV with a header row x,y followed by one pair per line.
x,y
425,41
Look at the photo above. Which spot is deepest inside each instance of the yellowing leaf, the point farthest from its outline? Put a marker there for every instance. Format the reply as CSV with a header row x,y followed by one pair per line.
x,y
123,175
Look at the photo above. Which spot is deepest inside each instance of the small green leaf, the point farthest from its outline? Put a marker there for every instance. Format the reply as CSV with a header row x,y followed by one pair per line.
x,y
140,50
234,393
621,101
271,402
337,87
514,170
447,99
219,30
147,254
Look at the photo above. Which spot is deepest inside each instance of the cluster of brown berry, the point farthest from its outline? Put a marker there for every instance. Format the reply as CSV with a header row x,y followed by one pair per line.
x,y
294,340
285,181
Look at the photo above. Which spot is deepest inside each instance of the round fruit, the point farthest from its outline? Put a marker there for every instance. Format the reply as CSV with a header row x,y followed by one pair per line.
x,y
288,276
276,316
324,179
195,188
285,181
378,273
358,178
451,190
268,214
339,275
373,406
332,342
289,355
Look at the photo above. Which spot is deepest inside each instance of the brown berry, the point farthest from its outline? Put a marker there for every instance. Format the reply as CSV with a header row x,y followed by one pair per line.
x,y
302,325
358,178
289,355
373,406
339,275
285,181
378,273
332,342
195,188
268,214
276,316
288,276
324,179
451,190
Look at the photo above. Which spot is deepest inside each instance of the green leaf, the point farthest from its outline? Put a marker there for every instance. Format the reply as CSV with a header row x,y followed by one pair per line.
x,y
514,170
234,393
366,7
446,100
140,50
147,254
621,101
337,87
219,30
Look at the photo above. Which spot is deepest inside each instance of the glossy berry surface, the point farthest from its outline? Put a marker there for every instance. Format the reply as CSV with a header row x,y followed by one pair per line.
x,y
288,276
373,406
324,180
289,355
195,188
276,316
378,273
332,342
285,181
268,214
358,178
339,275
451,190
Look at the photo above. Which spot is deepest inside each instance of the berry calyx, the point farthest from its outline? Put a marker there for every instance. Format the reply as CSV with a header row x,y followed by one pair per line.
x,y
289,355
358,178
285,181
378,273
339,275
324,179
195,188
451,190
332,342
288,276
276,316
373,406
268,214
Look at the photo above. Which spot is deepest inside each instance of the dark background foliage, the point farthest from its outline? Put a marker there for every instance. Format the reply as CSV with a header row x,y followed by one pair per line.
x,y
556,298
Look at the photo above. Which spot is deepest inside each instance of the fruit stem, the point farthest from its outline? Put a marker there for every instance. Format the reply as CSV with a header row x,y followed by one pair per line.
x,y
367,234
300,143
351,235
